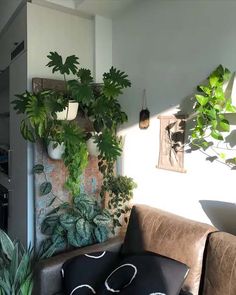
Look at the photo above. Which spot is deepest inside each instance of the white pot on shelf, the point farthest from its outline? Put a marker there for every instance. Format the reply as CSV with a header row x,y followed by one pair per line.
x,y
92,147
55,150
70,112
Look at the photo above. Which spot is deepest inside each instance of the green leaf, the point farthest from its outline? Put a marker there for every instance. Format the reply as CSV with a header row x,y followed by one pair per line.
x,y
223,125
48,224
45,188
219,94
205,89
7,245
101,234
69,66
216,134
213,81
203,100
85,76
102,219
229,107
38,169
67,221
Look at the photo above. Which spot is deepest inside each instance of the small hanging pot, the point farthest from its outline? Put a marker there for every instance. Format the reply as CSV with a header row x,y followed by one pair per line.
x,y
144,115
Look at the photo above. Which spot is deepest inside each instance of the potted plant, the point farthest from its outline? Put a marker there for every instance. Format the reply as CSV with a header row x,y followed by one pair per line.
x,y
68,67
80,223
17,265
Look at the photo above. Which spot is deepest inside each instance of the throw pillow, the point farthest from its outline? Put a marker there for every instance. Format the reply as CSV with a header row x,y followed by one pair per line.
x,y
140,274
84,274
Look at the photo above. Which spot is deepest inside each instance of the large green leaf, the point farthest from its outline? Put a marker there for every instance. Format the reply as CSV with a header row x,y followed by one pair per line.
x,y
67,221
101,233
85,76
117,77
7,245
56,62
102,219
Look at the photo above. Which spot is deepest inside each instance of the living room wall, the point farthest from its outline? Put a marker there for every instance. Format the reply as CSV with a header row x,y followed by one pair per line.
x,y
169,47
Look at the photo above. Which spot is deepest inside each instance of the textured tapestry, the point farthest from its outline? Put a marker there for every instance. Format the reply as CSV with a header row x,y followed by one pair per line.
x,y
171,151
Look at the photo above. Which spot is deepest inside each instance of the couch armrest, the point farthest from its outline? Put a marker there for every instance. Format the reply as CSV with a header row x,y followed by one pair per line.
x,y
47,278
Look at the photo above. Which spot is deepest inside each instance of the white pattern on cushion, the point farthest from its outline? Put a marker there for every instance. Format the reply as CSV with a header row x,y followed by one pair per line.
x,y
82,286
123,265
95,257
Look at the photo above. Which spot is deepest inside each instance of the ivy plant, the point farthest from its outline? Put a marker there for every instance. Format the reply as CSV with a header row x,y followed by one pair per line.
x,y
119,191
210,107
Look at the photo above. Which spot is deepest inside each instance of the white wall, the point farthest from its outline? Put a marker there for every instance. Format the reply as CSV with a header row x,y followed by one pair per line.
x,y
103,46
53,30
169,47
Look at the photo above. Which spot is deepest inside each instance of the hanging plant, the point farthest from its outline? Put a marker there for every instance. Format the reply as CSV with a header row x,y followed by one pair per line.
x,y
210,122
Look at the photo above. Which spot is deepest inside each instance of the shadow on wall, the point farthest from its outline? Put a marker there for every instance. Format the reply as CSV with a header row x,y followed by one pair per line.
x,y
221,214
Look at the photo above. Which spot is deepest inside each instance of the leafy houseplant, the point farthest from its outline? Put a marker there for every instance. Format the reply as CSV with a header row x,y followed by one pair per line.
x,y
17,266
99,103
70,106
118,190
80,223
210,108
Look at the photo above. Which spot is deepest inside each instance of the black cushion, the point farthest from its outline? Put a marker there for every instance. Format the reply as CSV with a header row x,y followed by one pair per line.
x,y
145,274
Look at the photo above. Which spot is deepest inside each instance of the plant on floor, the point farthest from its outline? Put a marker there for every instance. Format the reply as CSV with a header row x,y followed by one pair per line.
x,y
210,108
17,266
80,223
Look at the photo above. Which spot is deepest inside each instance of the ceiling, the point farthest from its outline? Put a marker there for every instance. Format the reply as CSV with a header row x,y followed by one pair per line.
x,y
7,8
107,8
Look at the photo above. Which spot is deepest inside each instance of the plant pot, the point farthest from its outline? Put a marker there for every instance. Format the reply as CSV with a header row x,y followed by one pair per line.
x,y
69,113
55,152
92,147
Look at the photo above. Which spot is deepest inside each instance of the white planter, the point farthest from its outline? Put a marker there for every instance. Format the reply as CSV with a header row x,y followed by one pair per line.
x,y
69,113
92,147
55,153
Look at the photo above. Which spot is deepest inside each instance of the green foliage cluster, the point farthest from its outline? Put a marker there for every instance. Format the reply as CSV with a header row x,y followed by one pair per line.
x,y
211,104
17,265
120,192
98,102
80,223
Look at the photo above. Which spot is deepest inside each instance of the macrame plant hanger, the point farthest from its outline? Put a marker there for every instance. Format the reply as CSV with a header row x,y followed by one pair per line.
x,y
144,115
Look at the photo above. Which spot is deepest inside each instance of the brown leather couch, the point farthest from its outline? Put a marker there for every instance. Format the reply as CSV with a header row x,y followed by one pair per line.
x,y
211,255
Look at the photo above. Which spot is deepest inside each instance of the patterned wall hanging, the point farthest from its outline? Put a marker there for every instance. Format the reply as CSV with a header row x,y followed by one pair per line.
x,y
171,151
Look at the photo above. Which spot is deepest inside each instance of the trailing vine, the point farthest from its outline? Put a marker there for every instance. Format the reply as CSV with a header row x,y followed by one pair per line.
x,y
210,122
